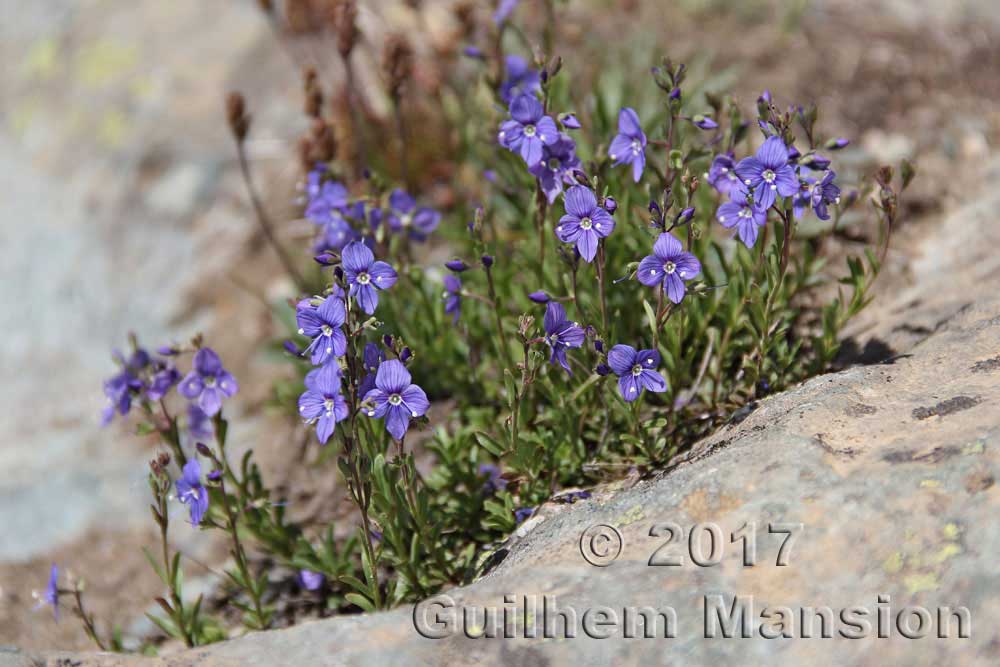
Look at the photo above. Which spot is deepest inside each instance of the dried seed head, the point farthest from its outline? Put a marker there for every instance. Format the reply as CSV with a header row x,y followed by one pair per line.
x,y
239,121
344,18
397,62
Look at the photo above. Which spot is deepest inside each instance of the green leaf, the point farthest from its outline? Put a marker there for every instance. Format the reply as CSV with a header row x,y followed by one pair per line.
x,y
360,601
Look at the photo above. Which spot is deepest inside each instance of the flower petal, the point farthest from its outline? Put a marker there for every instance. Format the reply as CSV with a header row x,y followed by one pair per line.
x,y
332,311
357,257
531,150
675,287
667,247
652,381
392,377
555,315
604,224
620,149
650,271
568,229
629,387
773,153
210,401
397,420
638,164
688,266
191,386
587,245
787,181
227,383
621,358
366,296
207,362
580,201
526,109
416,400
383,275
547,131
311,404
628,122
647,358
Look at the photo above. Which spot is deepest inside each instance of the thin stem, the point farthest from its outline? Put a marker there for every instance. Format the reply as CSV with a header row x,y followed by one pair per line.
x,y
502,343
88,620
541,208
263,220
601,285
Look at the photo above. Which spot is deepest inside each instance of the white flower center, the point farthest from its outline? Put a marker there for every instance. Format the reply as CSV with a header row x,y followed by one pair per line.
x,y
669,267
364,279
395,399
529,130
637,370
327,330
586,223
768,176
636,147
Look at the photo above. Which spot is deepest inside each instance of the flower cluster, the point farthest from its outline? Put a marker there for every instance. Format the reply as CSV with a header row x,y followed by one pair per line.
x,y
385,384
754,184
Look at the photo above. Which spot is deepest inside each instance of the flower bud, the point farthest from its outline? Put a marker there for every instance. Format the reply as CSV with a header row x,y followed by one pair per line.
x,y
456,265
837,144
474,52
325,259
685,216
539,297
405,354
599,345
675,94
167,350
387,340
602,370
487,261
292,349
610,205
204,450
215,475
704,122
236,115
817,162
569,121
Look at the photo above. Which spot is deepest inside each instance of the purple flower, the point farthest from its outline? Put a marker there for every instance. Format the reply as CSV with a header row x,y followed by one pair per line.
x,y
200,425
208,382
311,581
366,276
704,122
494,481
522,79
51,595
372,357
522,513
837,144
323,324
396,398
585,222
629,145
452,297
556,166
335,234
635,371
823,193
165,377
472,51
321,402
405,216
329,199
540,297
768,173
722,174
610,205
528,130
191,492
456,265
743,214
668,266
503,10
121,387
560,333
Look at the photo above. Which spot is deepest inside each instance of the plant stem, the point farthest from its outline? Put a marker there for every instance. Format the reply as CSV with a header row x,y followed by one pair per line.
x,y
502,342
601,285
541,208
263,220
